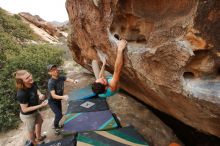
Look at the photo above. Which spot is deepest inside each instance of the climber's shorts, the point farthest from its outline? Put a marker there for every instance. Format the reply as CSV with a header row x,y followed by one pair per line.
x,y
30,120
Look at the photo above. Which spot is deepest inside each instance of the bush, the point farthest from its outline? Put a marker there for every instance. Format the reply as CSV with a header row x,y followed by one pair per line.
x,y
14,26
33,58
7,45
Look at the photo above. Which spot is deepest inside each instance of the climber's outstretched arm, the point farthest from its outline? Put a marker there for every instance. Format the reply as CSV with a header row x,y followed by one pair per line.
x,y
118,65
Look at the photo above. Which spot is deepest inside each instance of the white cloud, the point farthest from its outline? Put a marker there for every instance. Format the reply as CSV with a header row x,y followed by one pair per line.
x,y
49,10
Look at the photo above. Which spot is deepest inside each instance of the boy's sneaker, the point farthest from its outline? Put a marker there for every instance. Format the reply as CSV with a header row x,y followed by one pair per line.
x,y
28,143
60,126
57,131
41,139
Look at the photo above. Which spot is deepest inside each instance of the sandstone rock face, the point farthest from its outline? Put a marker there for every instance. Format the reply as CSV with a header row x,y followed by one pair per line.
x,y
39,22
172,58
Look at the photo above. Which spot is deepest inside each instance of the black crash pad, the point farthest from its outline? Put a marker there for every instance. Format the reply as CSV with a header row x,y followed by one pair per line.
x,y
88,105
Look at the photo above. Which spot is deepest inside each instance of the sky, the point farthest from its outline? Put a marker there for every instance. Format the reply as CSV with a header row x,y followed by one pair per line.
x,y
49,10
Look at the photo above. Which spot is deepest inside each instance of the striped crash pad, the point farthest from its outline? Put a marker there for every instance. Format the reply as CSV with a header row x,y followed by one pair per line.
x,y
68,141
117,137
78,122
82,93
88,105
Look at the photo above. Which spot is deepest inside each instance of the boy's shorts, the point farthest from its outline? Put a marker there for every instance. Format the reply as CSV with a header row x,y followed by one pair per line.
x,y
30,120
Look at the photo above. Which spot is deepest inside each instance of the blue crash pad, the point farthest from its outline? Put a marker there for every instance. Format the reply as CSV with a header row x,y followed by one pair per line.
x,y
82,93
78,122
68,141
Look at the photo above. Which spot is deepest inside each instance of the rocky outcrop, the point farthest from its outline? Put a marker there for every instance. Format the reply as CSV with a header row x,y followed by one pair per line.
x,y
40,23
172,58
131,112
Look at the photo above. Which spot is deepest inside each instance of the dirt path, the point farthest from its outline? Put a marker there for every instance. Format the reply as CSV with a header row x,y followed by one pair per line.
x,y
17,136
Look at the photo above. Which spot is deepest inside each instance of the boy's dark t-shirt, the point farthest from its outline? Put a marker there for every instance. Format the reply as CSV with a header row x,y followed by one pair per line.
x,y
57,85
28,96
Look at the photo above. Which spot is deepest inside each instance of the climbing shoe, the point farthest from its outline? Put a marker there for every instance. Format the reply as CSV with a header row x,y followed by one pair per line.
x,y
41,139
57,131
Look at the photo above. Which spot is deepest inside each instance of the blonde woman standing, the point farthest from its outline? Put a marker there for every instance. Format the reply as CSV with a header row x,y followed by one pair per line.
x,y
28,96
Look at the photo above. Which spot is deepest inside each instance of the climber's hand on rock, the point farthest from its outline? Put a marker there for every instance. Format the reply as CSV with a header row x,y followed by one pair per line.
x,y
121,45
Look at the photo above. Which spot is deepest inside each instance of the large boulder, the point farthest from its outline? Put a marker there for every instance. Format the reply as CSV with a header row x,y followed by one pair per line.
x,y
172,58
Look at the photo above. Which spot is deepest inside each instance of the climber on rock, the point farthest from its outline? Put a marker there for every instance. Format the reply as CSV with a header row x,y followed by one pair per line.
x,y
105,87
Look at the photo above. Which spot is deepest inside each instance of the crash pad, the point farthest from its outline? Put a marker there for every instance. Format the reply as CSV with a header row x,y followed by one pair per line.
x,y
68,141
82,93
88,105
117,137
88,121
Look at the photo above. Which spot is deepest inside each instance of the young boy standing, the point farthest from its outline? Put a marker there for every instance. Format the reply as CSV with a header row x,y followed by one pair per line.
x,y
55,89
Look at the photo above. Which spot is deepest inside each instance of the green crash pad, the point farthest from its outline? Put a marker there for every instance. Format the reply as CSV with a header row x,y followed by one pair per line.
x,y
117,137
